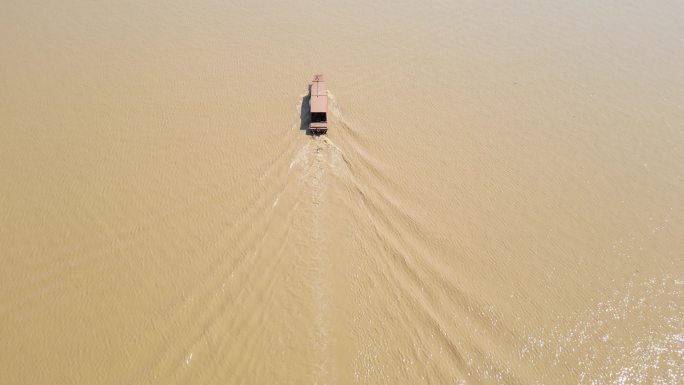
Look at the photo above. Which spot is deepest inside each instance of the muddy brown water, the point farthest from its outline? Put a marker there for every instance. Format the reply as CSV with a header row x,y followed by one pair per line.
x,y
499,198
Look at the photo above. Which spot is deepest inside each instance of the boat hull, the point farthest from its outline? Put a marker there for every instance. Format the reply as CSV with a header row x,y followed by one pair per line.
x,y
318,105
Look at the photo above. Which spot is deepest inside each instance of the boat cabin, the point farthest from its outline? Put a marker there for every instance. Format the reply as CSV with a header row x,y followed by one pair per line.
x,y
318,103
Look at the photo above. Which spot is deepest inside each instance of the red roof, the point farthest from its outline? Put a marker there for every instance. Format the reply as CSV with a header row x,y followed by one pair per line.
x,y
319,95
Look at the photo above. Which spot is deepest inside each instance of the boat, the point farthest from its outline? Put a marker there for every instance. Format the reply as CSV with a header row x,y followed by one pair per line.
x,y
318,103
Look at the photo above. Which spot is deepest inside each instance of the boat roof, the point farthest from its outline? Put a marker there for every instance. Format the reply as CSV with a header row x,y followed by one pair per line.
x,y
319,95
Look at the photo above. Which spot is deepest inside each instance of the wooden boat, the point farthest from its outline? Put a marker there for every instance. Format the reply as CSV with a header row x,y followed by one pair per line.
x,y
318,103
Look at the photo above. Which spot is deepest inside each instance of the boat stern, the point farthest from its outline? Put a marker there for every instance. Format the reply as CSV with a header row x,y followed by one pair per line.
x,y
318,127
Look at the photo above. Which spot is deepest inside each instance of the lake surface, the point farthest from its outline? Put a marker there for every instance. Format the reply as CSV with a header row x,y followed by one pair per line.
x,y
499,198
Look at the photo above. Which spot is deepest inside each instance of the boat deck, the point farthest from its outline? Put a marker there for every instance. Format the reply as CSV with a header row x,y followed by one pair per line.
x,y
319,95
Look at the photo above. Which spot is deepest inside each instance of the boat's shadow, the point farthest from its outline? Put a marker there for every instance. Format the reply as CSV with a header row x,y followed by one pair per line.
x,y
305,114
